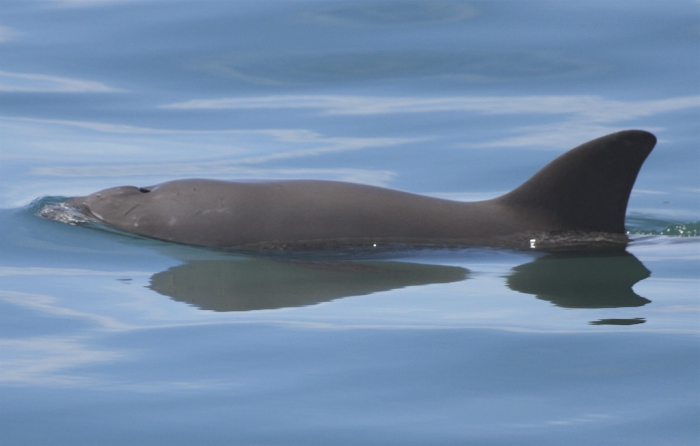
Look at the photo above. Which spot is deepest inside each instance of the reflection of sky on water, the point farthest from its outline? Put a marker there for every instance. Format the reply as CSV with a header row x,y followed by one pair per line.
x,y
150,155
571,280
95,97
466,345
76,333
84,341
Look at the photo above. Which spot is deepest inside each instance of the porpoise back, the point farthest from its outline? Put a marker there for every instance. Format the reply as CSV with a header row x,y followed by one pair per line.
x,y
584,191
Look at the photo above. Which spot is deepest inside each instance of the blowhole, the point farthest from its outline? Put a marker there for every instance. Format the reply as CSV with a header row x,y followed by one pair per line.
x,y
144,190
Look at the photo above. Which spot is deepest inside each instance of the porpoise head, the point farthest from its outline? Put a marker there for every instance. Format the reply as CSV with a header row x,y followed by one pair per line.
x,y
115,205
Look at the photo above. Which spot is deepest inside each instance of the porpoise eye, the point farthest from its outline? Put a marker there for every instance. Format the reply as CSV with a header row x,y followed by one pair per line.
x,y
144,190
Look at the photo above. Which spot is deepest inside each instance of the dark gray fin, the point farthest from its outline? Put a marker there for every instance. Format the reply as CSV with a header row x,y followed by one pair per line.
x,y
587,188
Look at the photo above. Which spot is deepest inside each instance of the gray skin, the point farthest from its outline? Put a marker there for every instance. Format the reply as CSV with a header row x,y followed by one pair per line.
x,y
583,191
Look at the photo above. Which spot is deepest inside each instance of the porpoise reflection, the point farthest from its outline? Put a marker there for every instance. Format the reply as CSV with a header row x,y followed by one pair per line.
x,y
584,280
569,280
633,321
262,284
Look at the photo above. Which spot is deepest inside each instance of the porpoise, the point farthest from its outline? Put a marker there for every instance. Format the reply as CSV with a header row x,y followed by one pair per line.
x,y
580,197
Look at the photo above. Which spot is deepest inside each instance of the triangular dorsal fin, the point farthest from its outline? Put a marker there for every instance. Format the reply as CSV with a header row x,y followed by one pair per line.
x,y
587,188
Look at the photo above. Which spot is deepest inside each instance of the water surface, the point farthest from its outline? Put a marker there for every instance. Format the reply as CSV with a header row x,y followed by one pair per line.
x,y
112,339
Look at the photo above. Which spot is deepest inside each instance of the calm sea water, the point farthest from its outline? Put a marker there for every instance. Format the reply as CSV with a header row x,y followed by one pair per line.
x,y
111,339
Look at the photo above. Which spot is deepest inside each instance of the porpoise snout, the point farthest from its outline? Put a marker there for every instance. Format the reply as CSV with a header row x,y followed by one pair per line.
x,y
108,203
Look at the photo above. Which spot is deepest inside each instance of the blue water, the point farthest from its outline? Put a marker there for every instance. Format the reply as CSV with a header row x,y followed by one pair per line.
x,y
112,339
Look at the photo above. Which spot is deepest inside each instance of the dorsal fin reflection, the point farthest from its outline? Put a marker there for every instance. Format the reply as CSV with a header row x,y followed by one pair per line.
x,y
582,279
569,280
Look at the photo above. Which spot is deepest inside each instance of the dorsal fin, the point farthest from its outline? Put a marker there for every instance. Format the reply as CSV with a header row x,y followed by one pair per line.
x,y
587,188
